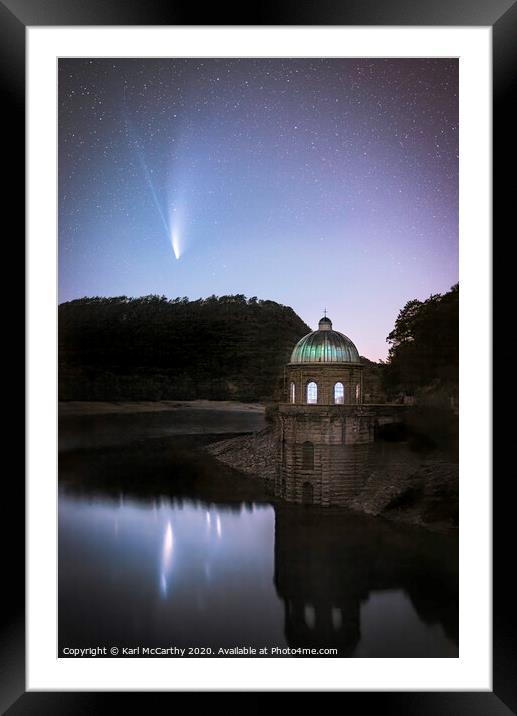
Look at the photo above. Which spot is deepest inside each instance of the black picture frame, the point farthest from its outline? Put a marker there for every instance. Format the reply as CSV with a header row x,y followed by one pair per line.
x,y
15,16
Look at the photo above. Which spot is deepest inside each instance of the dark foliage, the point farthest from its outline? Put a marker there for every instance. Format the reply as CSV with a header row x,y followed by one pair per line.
x,y
423,356
154,348
373,381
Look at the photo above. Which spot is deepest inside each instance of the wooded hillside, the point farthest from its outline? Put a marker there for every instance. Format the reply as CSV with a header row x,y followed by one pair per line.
x,y
154,348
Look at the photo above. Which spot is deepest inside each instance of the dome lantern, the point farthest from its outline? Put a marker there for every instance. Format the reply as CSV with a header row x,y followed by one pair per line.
x,y
325,346
325,324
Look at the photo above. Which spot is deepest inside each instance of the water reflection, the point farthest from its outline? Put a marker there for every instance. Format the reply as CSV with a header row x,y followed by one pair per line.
x,y
251,575
166,559
95,430
330,568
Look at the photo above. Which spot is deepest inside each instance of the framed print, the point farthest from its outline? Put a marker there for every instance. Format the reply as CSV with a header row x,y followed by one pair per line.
x,y
259,416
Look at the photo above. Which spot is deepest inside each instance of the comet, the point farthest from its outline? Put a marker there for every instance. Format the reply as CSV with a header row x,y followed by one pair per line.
x,y
175,242
132,136
172,223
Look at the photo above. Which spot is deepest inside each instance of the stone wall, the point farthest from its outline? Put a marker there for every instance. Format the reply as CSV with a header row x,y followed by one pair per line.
x,y
338,474
323,451
325,376
380,478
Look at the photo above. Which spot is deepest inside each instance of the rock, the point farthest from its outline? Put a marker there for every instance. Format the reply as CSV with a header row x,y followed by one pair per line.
x,y
254,455
399,485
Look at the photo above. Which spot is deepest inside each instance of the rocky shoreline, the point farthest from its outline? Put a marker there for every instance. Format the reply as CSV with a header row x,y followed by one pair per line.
x,y
400,484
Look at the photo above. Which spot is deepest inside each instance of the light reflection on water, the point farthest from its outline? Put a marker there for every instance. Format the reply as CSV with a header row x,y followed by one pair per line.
x,y
167,573
166,561
162,572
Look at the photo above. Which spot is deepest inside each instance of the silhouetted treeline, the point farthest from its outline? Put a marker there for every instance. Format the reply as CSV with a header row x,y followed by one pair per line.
x,y
154,348
235,348
424,353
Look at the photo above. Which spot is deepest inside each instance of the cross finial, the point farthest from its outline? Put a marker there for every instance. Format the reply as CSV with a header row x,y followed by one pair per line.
x,y
325,312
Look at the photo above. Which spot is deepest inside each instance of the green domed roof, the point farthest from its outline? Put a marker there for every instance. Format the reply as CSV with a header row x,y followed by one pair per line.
x,y
325,346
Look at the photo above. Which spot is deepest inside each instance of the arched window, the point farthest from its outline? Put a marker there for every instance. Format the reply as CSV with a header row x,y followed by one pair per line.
x,y
292,393
312,392
307,456
337,618
339,393
357,392
307,493
309,614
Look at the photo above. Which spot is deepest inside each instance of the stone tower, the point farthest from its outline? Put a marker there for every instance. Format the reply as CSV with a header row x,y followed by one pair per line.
x,y
325,429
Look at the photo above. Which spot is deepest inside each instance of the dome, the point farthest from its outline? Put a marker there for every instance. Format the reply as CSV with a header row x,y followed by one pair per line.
x,y
325,346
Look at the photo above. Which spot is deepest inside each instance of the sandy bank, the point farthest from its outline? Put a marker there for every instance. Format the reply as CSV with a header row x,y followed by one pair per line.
x,y
76,407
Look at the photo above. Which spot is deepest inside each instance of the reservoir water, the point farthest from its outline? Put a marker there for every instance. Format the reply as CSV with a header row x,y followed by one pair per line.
x,y
161,546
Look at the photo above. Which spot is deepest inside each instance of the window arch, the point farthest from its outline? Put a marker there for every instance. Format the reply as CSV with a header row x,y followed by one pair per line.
x,y
339,393
337,618
307,456
292,392
312,392
309,616
307,493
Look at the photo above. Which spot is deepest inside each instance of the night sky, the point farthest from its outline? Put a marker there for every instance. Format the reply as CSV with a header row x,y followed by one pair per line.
x,y
327,183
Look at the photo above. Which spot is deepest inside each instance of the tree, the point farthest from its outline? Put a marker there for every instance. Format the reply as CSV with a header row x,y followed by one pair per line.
x,y
152,348
424,344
